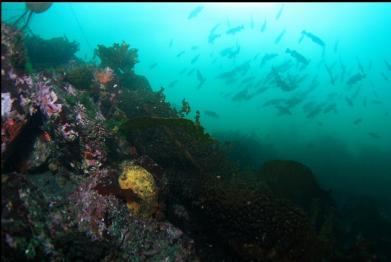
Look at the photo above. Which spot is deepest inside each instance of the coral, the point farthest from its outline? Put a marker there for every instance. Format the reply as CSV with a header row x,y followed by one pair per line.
x,y
48,99
118,57
6,104
49,53
142,183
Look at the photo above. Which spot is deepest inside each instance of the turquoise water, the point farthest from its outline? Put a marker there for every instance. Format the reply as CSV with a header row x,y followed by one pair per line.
x,y
340,130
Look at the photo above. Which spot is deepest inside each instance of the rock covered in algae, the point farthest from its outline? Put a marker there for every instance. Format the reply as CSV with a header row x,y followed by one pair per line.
x,y
142,183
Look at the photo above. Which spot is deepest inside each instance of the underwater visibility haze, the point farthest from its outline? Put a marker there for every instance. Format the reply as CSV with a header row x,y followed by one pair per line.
x,y
196,131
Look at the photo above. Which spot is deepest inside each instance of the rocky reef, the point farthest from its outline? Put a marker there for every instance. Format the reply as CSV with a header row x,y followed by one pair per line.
x,y
96,166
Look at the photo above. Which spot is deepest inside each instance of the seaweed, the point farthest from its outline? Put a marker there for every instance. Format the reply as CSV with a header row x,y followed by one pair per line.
x,y
54,52
80,77
118,57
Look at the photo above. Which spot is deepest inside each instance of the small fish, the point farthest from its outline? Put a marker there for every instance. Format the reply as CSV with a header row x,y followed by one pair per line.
x,y
357,121
360,66
212,34
195,59
195,12
336,46
242,96
299,57
314,38
388,65
170,43
332,107
211,114
332,80
314,112
191,71
230,52
349,101
266,58
283,110
355,79
252,23
274,101
152,66
279,13
374,135
234,30
172,83
201,79
279,37
183,71
384,76
263,27
180,53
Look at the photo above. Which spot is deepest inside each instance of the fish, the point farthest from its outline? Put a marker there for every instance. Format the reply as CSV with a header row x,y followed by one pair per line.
x,y
299,57
183,71
247,79
328,69
230,52
234,30
349,101
281,82
274,101
170,43
336,46
252,23
201,79
152,66
315,111
231,74
331,107
279,13
195,59
283,110
213,35
195,12
211,114
285,66
172,83
354,79
180,53
384,76
357,121
388,65
360,66
279,37
294,101
374,135
266,58
263,27
191,71
316,39
242,96
256,56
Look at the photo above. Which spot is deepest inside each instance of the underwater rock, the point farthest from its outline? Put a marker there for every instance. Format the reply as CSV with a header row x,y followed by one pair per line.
x,y
293,181
257,226
39,157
